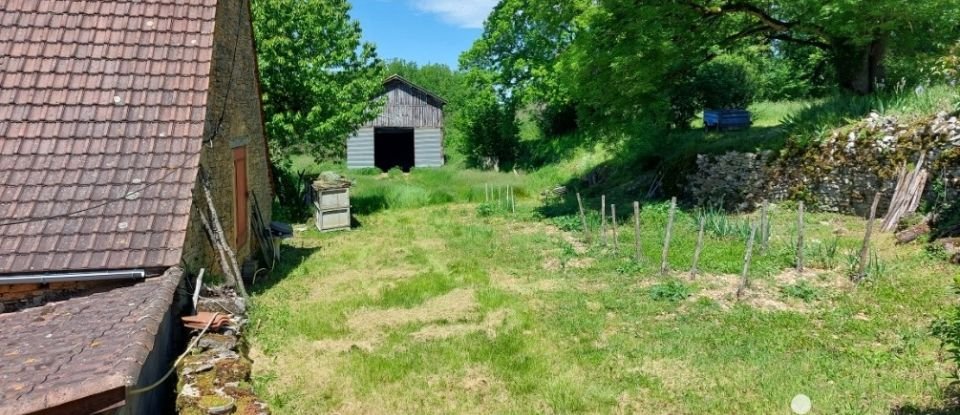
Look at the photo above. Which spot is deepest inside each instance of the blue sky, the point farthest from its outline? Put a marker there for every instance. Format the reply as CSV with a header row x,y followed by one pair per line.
x,y
423,31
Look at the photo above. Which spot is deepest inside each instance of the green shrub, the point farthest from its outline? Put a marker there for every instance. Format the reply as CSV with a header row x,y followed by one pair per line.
x,y
802,291
725,83
672,290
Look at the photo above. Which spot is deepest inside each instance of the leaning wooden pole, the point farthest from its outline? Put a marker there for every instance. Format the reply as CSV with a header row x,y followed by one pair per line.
x,y
665,255
747,257
583,218
865,248
636,232
699,249
800,237
215,221
233,279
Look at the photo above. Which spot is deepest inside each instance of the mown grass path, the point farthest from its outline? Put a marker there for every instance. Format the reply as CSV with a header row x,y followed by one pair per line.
x,y
437,310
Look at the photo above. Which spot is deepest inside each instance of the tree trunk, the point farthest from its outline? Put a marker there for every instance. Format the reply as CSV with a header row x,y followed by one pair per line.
x,y
860,67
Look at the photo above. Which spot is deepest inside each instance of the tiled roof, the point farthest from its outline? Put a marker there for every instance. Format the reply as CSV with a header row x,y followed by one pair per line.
x,y
68,351
102,113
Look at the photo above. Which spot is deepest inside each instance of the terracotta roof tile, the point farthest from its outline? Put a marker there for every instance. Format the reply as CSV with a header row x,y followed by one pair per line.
x,y
64,351
87,90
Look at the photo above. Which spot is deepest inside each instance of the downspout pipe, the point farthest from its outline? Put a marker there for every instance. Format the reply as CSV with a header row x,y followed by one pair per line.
x,y
134,274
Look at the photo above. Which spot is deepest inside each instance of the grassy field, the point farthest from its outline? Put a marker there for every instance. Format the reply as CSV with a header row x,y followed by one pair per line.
x,y
458,306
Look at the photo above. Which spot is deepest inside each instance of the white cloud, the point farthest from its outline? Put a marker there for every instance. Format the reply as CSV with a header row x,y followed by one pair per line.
x,y
462,13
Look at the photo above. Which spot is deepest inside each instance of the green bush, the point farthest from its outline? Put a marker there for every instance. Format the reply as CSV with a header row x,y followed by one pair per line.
x,y
725,83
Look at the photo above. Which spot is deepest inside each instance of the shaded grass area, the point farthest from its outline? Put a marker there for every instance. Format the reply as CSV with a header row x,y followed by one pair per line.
x,y
582,332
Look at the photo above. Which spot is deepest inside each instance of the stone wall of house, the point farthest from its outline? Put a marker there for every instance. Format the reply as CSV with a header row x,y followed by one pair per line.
x,y
840,174
234,119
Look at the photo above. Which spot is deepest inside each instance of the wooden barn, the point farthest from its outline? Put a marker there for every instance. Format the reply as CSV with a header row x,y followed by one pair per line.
x,y
408,133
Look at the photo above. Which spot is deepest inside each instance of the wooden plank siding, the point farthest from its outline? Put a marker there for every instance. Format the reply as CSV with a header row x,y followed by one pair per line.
x,y
408,106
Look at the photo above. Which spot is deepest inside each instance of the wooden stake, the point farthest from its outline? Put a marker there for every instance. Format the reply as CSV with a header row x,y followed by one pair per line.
x,y
699,248
636,231
613,219
665,255
486,192
583,218
745,277
765,226
865,249
800,237
513,201
603,219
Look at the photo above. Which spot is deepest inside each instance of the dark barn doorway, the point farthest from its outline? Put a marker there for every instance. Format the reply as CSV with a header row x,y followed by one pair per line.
x,y
393,147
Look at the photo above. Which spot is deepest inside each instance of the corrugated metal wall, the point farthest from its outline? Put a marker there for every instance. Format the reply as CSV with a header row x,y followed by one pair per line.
x,y
360,149
428,147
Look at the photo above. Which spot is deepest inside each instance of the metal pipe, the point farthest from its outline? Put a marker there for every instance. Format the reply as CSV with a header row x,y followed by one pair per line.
x,y
134,274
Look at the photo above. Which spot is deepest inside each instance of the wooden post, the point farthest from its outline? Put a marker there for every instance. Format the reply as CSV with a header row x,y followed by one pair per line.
x,y
613,220
765,226
800,237
745,277
665,255
513,201
583,218
699,248
865,249
603,219
636,231
486,192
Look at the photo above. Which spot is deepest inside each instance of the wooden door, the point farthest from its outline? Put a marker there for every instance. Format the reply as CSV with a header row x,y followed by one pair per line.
x,y
240,200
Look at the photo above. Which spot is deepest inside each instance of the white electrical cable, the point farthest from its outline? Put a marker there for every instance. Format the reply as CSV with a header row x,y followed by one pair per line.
x,y
177,362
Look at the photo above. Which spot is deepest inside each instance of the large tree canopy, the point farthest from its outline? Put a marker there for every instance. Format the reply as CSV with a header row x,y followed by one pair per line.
x,y
318,78
858,34
635,63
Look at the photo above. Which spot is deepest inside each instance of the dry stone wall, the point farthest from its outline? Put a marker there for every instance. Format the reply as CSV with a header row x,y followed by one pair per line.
x,y
840,174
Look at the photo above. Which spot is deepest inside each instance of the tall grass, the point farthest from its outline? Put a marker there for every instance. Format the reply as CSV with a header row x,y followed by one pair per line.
x,y
821,116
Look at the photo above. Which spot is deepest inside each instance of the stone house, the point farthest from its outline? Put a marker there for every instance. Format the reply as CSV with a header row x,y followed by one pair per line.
x,y
115,117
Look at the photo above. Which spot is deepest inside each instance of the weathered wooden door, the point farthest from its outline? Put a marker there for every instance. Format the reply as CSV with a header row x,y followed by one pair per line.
x,y
240,200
